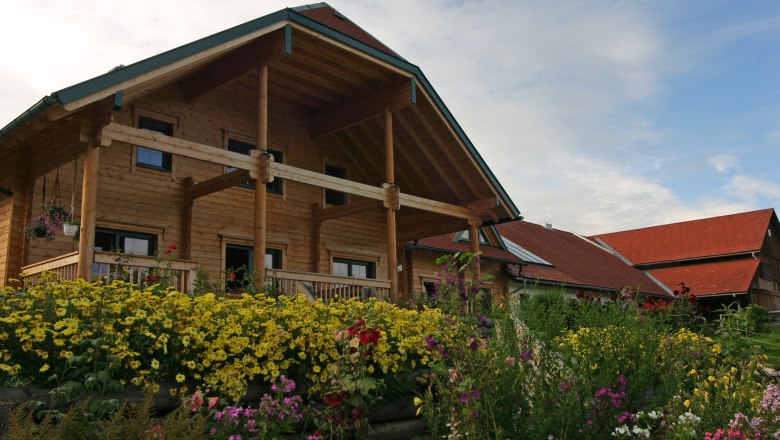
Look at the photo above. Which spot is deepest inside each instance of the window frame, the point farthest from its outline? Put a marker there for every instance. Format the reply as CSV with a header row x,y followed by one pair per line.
x,y
117,245
326,193
166,158
277,187
350,262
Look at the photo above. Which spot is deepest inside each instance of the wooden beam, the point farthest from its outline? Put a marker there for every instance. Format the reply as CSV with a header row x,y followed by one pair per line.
x,y
261,205
354,207
324,181
89,186
181,147
219,183
367,107
420,226
21,207
237,63
393,204
474,243
316,228
423,204
442,171
186,219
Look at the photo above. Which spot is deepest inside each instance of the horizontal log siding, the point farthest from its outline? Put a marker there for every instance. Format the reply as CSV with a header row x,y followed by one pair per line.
x,y
133,196
425,268
5,225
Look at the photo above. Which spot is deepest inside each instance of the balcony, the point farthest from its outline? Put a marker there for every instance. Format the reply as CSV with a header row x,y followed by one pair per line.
x,y
134,269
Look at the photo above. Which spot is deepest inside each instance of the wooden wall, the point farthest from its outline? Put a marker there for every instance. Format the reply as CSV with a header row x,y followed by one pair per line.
x,y
425,268
5,229
145,200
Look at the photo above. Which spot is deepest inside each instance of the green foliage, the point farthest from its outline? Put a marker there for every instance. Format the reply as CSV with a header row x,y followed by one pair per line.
x,y
546,315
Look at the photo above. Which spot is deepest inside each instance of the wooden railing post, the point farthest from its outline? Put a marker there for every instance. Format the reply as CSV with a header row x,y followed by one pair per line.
x,y
89,184
474,225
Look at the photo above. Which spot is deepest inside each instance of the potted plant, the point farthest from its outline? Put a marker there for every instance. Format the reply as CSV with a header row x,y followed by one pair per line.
x,y
38,228
70,227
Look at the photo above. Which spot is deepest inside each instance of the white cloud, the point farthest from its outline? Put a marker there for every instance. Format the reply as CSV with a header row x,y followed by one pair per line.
x,y
723,162
753,190
558,97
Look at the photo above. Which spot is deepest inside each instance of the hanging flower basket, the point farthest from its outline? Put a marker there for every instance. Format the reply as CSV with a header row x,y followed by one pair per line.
x,y
70,228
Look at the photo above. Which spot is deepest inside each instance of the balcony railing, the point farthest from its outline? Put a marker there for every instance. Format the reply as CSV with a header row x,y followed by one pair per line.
x,y
135,269
326,287
110,266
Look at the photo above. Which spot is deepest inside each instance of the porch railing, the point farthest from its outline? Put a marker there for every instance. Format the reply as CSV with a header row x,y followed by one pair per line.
x,y
325,287
136,269
65,266
133,269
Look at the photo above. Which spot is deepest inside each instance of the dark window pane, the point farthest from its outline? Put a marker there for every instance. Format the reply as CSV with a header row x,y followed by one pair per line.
x,y
335,197
353,268
148,157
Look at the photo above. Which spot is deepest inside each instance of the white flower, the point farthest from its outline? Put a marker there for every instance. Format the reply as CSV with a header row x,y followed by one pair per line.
x,y
654,415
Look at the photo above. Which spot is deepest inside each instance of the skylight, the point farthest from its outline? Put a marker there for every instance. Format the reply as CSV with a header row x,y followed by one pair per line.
x,y
524,254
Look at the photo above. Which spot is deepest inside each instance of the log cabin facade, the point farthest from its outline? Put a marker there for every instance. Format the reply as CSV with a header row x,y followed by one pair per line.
x,y
294,142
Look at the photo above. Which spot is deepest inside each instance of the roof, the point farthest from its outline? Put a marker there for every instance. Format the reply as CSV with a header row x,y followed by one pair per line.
x,y
710,237
575,260
320,18
711,278
447,243
325,14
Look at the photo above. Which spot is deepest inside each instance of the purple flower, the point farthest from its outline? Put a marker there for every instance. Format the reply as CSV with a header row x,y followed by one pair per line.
x,y
526,354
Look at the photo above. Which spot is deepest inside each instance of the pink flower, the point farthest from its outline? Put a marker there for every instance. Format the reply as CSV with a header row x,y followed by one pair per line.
x,y
213,401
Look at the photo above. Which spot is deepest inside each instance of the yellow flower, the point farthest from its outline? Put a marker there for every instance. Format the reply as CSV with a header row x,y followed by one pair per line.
x,y
711,378
155,364
44,368
692,372
687,403
180,378
417,401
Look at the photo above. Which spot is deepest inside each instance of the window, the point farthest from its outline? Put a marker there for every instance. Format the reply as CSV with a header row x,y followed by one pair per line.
x,y
430,289
766,271
149,158
353,268
134,243
335,197
275,187
486,300
239,261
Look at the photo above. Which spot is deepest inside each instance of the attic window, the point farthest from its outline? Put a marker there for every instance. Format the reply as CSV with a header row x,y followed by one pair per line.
x,y
464,236
339,16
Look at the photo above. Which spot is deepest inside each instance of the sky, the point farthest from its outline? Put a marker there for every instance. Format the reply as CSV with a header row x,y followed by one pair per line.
x,y
596,116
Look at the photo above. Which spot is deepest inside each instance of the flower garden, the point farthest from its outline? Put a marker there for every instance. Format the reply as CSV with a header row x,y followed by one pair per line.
x,y
546,367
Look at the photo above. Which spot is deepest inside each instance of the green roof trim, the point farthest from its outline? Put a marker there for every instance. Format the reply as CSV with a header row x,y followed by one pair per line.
x,y
124,73
37,108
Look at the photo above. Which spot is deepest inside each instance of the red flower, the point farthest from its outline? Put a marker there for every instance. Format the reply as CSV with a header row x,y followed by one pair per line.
x,y
357,327
150,278
232,276
357,413
334,399
370,336
172,247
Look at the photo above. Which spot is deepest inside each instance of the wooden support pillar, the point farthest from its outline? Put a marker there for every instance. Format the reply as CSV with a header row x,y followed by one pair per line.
x,y
260,187
392,204
186,219
21,210
474,225
409,273
316,227
89,184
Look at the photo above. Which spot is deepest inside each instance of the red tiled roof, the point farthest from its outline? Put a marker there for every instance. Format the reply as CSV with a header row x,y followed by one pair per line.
x,y
326,15
445,243
575,259
711,278
725,235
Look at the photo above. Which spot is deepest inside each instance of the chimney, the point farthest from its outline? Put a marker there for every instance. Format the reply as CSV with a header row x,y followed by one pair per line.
x,y
548,226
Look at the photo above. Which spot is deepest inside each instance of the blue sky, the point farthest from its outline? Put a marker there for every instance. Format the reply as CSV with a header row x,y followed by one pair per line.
x,y
595,115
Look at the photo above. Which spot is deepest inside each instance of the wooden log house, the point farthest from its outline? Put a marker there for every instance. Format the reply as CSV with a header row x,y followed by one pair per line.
x,y
296,144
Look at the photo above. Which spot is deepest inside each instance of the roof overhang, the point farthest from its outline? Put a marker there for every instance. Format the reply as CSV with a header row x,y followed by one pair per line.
x,y
176,63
